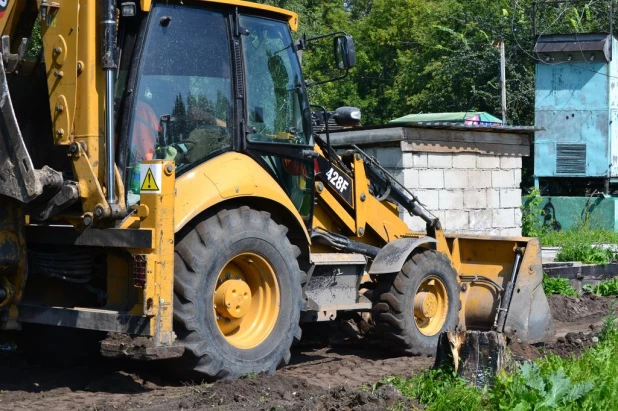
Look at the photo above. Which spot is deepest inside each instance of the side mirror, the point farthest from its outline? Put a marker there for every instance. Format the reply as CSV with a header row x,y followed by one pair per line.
x,y
347,116
345,52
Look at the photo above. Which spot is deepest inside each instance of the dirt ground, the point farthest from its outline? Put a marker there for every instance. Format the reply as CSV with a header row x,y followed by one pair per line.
x,y
332,369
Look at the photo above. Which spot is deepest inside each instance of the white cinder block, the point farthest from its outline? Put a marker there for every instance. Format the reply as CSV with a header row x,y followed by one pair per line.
x,y
475,199
503,218
508,162
455,220
464,160
517,176
430,198
415,223
431,178
511,232
510,198
450,199
455,179
480,219
390,157
410,178
487,161
517,217
493,198
414,160
439,160
502,179
479,178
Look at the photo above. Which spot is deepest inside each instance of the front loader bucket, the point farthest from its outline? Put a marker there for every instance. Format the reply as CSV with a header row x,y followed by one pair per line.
x,y
486,267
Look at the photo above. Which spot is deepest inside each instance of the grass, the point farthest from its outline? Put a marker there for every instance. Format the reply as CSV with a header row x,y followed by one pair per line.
x,y
589,382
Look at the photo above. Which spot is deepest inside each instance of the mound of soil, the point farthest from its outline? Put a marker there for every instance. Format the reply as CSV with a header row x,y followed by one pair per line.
x,y
578,322
566,309
573,344
522,351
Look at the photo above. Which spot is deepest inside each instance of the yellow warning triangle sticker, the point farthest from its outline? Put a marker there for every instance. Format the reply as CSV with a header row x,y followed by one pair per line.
x,y
149,184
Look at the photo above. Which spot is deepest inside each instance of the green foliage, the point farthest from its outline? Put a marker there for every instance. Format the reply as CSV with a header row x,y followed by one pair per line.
x,y
35,43
439,389
577,244
531,214
586,383
557,285
579,233
434,55
606,288
577,250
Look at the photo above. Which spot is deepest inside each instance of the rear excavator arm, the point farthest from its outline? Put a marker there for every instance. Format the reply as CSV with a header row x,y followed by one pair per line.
x,y
80,86
80,128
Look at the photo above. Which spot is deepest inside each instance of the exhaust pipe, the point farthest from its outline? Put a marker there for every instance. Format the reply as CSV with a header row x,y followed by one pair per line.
x,y
108,61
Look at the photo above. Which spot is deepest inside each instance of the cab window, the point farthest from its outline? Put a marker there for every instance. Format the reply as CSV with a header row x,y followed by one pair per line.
x,y
183,109
277,108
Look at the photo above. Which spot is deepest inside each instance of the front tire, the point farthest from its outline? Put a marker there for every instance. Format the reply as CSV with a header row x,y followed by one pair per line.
x,y
238,296
413,307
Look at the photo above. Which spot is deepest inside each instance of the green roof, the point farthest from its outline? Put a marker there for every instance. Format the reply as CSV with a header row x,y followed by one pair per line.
x,y
472,117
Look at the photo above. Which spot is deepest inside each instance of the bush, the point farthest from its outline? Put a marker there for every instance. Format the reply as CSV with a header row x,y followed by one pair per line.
x,y
606,288
531,213
35,44
580,233
580,250
557,285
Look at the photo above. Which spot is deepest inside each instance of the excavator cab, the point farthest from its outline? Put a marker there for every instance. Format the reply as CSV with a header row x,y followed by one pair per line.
x,y
186,105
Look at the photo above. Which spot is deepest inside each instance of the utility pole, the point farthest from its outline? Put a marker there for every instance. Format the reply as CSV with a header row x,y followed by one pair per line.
x,y
503,80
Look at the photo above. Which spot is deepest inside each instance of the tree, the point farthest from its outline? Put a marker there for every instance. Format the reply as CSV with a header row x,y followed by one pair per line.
x,y
435,55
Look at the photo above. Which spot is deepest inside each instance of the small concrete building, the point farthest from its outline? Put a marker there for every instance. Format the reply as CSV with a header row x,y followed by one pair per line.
x,y
469,176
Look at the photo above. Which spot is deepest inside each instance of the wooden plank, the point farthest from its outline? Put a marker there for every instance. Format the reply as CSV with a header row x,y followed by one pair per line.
x,y
470,136
466,147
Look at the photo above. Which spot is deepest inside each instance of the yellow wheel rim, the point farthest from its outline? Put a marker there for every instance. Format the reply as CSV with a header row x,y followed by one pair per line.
x,y
246,300
430,306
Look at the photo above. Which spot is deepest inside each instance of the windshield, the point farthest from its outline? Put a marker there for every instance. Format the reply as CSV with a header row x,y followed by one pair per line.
x,y
183,110
277,106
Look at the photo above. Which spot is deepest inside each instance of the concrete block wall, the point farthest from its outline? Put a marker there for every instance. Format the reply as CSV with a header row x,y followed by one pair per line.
x,y
470,193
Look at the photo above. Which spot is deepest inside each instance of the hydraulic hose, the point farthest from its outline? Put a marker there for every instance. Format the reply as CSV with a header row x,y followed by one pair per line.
x,y
342,243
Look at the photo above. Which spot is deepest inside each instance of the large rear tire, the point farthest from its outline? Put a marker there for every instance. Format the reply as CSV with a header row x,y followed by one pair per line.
x,y
238,296
413,307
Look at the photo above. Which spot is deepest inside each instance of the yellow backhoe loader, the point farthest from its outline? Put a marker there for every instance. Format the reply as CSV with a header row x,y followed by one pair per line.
x,y
160,180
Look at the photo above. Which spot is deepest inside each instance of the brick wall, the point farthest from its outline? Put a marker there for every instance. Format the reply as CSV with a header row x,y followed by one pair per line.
x,y
468,192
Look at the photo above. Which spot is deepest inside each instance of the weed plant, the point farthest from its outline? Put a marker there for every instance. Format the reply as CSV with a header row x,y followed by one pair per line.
x,y
580,233
604,288
557,285
589,382
531,214
575,250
